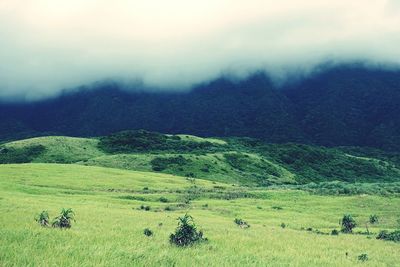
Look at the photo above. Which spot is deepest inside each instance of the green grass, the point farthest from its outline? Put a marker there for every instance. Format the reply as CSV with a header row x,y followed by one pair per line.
x,y
61,149
234,160
109,222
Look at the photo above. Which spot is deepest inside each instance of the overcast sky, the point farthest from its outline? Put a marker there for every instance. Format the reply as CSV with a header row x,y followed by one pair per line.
x,y
50,45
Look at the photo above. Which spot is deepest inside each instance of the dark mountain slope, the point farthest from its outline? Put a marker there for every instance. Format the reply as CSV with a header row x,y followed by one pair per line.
x,y
248,108
350,106
337,107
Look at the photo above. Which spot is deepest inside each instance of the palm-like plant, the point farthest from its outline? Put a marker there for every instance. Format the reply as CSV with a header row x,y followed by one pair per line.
x,y
64,219
43,218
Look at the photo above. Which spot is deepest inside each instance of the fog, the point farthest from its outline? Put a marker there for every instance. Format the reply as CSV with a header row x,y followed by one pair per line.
x,y
51,45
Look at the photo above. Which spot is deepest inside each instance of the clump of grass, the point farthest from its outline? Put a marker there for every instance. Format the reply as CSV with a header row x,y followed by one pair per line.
x,y
147,232
186,233
363,257
348,223
64,219
146,208
335,232
277,208
283,225
163,199
43,218
169,208
373,219
241,223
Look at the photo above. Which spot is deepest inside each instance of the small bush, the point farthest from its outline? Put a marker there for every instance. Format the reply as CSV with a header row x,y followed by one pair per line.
x,y
186,233
335,232
363,257
283,225
163,199
147,208
348,223
373,219
393,236
64,219
43,218
241,223
147,232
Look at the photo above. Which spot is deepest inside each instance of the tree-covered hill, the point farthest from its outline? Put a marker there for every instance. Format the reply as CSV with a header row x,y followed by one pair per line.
x,y
343,106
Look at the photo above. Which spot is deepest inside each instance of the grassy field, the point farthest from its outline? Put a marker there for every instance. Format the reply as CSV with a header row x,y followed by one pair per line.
x,y
109,221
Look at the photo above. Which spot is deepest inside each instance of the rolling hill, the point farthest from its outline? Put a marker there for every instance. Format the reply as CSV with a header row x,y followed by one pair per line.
x,y
242,161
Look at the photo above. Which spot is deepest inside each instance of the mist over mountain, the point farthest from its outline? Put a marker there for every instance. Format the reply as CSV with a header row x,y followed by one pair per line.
x,y
340,106
50,46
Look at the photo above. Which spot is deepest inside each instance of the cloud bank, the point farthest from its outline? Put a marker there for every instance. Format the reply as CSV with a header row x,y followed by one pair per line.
x,y
50,45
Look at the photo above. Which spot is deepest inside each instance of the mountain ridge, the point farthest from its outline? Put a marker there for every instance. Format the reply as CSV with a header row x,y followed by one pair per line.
x,y
342,106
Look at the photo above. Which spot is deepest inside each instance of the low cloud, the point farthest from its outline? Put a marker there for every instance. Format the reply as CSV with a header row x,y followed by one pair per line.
x,y
50,45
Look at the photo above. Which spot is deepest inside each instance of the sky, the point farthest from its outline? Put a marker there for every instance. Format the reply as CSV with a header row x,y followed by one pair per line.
x,y
47,46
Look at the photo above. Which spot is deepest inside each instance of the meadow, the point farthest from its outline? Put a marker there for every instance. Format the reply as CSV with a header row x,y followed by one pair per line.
x,y
110,220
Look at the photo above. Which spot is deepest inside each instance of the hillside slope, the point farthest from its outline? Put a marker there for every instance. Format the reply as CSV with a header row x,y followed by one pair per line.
x,y
231,160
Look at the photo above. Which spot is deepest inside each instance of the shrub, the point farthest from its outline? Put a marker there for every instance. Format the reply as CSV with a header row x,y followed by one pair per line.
x,y
43,218
393,236
363,257
147,232
160,164
335,232
147,208
64,219
348,223
186,233
169,208
20,155
163,199
241,223
283,225
373,219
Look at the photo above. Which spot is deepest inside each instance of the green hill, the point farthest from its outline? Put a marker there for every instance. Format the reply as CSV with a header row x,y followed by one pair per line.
x,y
231,160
